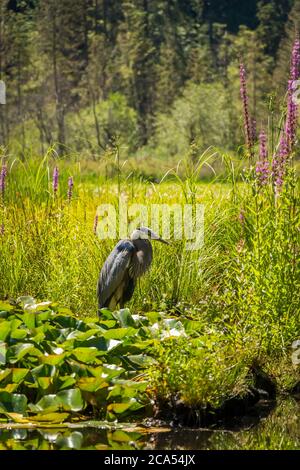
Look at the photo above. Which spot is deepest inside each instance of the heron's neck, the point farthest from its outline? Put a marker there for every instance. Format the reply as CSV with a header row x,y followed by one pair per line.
x,y
142,244
142,257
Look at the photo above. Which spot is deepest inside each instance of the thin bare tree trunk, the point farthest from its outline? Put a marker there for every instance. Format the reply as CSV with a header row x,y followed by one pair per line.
x,y
20,114
60,113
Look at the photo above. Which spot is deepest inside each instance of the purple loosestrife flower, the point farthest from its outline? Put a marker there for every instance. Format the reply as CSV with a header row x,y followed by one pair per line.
x,y
262,166
295,60
96,224
3,175
70,188
292,106
262,172
245,101
55,180
279,164
291,117
242,216
263,151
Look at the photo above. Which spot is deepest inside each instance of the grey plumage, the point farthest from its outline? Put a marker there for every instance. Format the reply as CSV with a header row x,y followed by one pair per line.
x,y
129,260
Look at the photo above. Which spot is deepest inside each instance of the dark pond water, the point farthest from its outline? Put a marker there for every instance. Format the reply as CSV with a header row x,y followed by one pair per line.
x,y
269,427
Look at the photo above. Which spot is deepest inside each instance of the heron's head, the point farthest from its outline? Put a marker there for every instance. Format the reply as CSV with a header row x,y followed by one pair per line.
x,y
146,233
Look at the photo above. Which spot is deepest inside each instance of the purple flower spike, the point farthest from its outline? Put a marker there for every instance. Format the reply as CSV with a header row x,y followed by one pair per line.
x,y
96,224
295,60
70,188
292,106
262,166
262,172
279,164
3,175
263,151
291,118
245,101
242,216
55,180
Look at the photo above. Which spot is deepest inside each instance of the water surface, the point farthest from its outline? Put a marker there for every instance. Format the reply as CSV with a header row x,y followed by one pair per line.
x,y
268,427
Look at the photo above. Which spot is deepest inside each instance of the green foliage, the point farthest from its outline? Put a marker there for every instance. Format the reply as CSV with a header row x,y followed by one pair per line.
x,y
236,295
200,371
200,115
54,365
56,254
117,121
63,63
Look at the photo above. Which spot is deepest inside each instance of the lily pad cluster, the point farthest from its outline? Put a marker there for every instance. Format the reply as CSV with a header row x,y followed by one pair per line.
x,y
88,438
54,366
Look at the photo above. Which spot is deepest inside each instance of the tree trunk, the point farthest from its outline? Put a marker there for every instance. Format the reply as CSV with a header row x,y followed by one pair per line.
x,y
60,114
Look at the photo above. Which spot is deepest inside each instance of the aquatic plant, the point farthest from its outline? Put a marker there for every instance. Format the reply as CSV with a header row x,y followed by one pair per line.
x,y
3,174
279,163
292,106
262,165
55,180
53,365
70,188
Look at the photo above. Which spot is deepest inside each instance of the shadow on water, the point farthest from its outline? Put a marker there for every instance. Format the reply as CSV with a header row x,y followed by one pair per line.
x,y
271,428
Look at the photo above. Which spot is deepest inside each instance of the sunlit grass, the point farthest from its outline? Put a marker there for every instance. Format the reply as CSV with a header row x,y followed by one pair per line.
x,y
49,248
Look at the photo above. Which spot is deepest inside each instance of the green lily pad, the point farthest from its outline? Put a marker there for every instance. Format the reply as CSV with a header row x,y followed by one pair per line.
x,y
17,352
74,441
141,360
53,359
71,399
86,355
3,348
13,402
18,375
48,403
29,320
118,408
124,317
66,382
5,306
53,418
4,374
18,334
5,329
119,333
92,384
62,364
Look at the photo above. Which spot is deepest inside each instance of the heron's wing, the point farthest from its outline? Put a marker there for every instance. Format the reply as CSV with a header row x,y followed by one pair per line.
x,y
114,270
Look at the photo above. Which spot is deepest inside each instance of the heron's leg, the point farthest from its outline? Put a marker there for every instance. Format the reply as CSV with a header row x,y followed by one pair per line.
x,y
112,304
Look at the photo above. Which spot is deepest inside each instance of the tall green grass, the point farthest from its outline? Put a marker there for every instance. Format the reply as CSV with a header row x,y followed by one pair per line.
x,y
49,249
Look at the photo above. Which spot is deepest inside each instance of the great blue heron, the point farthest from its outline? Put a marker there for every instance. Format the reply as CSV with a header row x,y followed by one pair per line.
x,y
129,260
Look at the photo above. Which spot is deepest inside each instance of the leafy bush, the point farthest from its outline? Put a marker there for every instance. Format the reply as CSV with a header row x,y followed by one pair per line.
x,y
201,114
115,120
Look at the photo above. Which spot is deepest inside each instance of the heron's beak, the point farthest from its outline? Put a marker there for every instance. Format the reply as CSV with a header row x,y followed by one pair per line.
x,y
163,241
157,238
